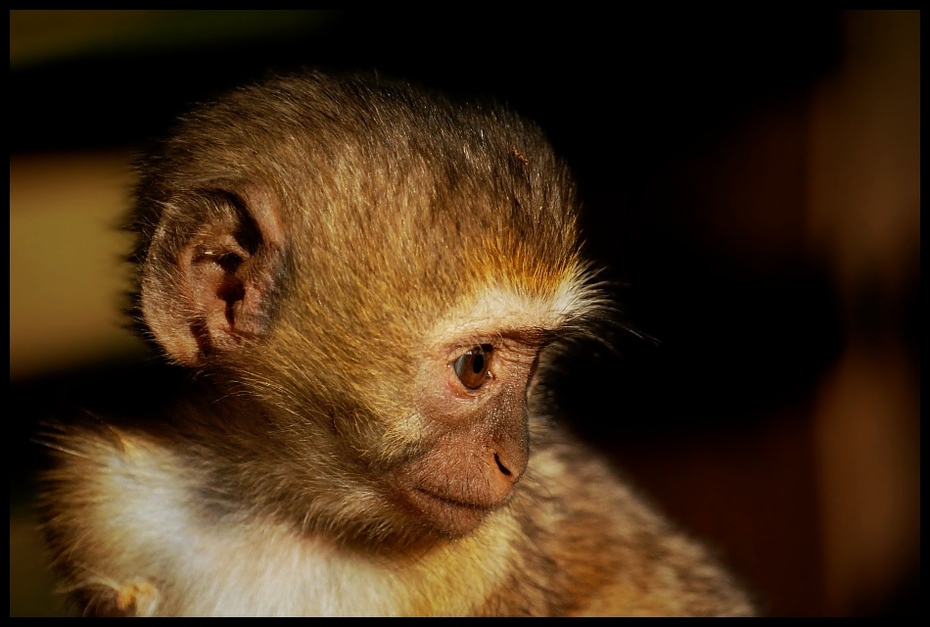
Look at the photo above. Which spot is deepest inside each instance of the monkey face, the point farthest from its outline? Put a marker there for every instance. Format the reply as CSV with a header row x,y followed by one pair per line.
x,y
376,269
475,417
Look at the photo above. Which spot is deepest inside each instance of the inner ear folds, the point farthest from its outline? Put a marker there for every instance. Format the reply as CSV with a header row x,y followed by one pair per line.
x,y
211,272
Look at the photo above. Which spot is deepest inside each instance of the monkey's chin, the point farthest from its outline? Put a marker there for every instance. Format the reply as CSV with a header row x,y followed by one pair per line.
x,y
450,517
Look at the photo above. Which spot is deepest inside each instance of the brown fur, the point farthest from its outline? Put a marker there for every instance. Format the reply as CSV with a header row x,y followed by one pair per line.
x,y
320,250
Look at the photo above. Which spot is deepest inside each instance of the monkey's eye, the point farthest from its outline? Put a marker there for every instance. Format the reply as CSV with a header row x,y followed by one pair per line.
x,y
472,367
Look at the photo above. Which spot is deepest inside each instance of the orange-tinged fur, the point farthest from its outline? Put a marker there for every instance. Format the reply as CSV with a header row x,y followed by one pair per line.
x,y
574,541
321,252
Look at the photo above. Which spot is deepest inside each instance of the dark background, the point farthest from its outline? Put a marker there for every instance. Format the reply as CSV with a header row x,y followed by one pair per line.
x,y
690,134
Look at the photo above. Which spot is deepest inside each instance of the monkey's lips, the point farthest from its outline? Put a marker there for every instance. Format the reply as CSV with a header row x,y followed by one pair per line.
x,y
451,516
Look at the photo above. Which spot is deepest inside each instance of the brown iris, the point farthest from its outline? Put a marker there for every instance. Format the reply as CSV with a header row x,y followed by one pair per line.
x,y
472,367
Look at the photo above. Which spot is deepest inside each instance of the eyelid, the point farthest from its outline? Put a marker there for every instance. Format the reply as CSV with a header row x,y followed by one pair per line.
x,y
527,337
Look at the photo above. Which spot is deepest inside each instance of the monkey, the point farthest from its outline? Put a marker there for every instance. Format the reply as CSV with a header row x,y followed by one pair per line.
x,y
367,283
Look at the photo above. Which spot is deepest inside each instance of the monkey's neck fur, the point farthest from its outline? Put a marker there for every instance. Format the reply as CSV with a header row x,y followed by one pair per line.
x,y
183,551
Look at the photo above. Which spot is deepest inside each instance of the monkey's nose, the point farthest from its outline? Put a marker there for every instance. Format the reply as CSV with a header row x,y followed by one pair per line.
x,y
504,474
501,466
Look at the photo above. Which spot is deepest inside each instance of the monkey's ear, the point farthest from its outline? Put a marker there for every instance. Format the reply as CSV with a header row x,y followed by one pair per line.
x,y
211,272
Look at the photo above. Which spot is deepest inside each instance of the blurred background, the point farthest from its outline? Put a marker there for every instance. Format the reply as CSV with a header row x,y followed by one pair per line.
x,y
750,182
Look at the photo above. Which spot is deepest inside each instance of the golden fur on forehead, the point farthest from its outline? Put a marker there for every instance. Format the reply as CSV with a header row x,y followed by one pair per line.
x,y
369,174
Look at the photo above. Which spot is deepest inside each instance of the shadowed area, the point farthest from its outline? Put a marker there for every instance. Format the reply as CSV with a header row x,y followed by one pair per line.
x,y
749,181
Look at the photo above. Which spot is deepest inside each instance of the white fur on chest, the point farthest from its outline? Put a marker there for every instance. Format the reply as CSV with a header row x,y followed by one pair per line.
x,y
149,527
266,572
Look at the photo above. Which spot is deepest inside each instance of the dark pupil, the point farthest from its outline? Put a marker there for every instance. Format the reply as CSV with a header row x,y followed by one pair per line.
x,y
477,364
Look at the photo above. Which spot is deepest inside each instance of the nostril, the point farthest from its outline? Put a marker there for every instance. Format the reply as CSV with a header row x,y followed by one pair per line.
x,y
500,465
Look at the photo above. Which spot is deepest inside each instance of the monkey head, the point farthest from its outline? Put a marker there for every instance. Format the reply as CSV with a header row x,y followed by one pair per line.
x,y
364,275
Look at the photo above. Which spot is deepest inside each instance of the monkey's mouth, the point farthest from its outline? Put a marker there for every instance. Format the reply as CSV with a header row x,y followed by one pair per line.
x,y
454,502
451,516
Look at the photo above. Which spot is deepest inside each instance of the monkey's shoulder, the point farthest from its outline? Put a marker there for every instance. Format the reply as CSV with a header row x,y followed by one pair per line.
x,y
614,553
111,502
